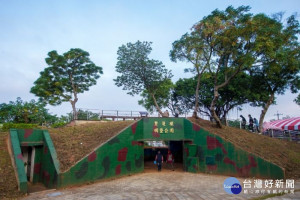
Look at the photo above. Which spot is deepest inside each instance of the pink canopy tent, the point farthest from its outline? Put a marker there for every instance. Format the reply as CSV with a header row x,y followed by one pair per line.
x,y
283,124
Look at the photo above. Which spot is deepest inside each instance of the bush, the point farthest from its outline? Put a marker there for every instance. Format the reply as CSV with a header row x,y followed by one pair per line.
x,y
58,124
235,123
7,126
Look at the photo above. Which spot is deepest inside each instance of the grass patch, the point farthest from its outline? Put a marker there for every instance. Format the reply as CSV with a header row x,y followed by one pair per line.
x,y
8,182
75,142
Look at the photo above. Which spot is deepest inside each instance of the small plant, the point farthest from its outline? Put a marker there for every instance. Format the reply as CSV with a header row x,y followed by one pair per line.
x,y
58,124
7,126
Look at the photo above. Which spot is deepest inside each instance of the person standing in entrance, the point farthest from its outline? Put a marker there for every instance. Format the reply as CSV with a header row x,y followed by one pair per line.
x,y
170,159
159,160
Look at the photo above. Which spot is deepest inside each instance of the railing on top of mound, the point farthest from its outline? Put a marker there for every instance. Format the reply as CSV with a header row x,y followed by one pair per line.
x,y
97,114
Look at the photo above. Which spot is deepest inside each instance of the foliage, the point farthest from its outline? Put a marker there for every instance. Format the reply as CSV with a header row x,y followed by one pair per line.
x,y
138,72
234,40
66,76
191,47
234,95
279,61
25,112
58,124
229,35
297,100
163,96
87,115
9,125
234,123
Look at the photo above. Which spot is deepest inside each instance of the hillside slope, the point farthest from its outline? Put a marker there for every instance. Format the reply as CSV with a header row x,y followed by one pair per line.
x,y
75,142
8,182
282,153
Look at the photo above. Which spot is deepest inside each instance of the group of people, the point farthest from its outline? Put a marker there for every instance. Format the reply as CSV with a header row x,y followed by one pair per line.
x,y
159,159
253,123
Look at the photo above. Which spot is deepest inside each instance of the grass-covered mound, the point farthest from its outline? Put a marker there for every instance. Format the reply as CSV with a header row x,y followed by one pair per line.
x,y
74,142
282,153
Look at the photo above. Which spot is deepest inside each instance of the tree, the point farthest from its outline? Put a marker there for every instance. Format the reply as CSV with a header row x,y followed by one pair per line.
x,y
67,76
163,97
233,96
193,48
138,72
229,42
279,61
25,112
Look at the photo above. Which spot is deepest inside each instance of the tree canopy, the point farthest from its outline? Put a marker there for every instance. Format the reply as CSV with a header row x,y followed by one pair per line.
x,y
65,77
138,72
234,40
193,48
234,95
20,111
163,97
278,65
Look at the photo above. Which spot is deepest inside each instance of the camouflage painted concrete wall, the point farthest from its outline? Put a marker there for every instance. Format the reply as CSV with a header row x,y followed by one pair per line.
x,y
162,129
218,156
18,160
119,156
49,167
203,152
46,166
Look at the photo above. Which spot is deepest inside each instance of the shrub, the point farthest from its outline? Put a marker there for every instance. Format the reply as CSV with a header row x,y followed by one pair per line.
x,y
7,126
58,124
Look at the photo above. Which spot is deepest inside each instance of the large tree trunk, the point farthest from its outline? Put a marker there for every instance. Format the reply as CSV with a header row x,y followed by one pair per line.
x,y
212,108
197,97
264,111
75,114
156,105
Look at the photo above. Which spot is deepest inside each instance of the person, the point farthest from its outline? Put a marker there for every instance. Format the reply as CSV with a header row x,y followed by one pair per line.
x,y
243,122
170,160
256,124
166,114
176,112
159,160
250,123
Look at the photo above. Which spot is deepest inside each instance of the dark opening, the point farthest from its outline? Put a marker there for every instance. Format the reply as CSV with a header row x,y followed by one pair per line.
x,y
151,149
27,154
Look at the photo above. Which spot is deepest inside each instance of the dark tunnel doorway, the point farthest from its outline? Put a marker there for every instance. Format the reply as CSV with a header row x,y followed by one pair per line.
x,y
151,148
28,155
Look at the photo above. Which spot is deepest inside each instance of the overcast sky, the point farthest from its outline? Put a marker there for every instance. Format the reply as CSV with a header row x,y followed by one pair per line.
x,y
30,29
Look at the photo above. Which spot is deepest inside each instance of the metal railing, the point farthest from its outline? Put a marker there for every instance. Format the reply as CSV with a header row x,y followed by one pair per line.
x,y
98,114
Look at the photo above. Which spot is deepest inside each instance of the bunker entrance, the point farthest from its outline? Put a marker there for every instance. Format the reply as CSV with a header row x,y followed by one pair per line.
x,y
28,155
151,149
